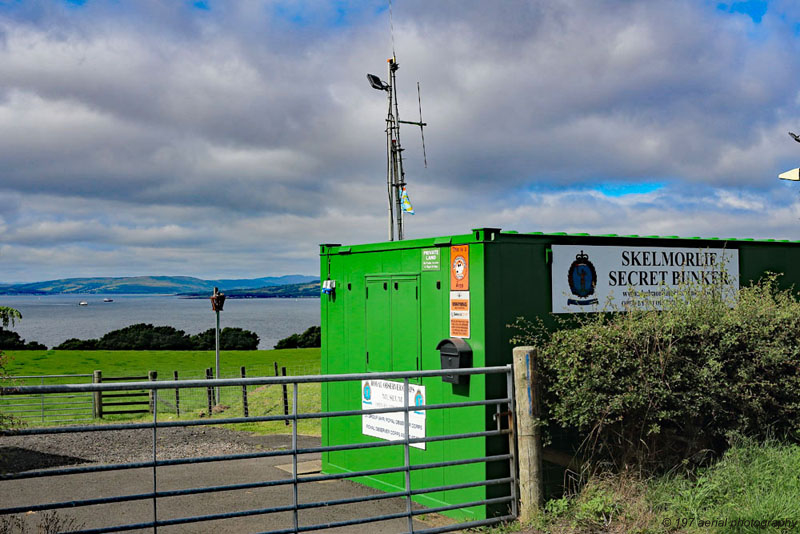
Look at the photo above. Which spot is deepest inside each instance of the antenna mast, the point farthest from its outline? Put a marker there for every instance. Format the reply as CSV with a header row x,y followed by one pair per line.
x,y
395,176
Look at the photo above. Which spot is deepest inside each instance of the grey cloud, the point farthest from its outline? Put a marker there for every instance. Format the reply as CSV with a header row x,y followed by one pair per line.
x,y
246,130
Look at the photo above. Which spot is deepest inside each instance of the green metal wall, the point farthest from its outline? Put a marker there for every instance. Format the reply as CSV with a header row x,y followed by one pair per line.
x,y
519,276
387,305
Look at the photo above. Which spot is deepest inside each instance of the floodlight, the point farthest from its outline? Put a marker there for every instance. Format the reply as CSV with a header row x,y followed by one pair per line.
x,y
793,175
377,83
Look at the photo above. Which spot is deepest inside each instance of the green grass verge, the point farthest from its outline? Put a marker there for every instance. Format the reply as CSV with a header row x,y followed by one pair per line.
x,y
751,483
132,362
753,489
193,403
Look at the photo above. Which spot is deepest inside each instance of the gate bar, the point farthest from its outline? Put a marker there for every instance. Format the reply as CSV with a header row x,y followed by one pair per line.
x,y
243,456
256,381
233,420
251,485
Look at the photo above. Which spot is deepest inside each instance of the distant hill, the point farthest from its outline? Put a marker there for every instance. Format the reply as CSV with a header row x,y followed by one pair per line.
x,y
150,285
309,289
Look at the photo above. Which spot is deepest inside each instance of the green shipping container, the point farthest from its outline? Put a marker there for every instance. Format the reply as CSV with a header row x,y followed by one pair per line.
x,y
394,302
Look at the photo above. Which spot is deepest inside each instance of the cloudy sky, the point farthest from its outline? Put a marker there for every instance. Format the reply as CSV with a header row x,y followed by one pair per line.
x,y
229,138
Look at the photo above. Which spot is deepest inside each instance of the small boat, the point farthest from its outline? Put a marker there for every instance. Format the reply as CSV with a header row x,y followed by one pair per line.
x,y
83,303
108,300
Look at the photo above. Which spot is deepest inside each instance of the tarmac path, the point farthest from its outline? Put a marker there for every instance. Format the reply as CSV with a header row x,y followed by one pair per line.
x,y
28,452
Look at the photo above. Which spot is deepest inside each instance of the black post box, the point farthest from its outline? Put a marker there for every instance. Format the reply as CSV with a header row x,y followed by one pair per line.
x,y
455,354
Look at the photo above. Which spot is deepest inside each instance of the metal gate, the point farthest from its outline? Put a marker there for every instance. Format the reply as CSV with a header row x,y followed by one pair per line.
x,y
49,408
296,510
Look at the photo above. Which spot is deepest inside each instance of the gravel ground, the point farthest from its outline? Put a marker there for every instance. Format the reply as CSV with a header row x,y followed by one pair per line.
x,y
22,453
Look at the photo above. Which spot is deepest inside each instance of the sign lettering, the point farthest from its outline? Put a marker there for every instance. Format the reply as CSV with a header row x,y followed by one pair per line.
x,y
596,278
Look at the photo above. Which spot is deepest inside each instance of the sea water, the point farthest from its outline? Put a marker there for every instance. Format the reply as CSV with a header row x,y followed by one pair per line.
x,y
52,319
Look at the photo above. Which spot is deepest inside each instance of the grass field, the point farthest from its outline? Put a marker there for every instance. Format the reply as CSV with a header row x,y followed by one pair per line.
x,y
189,364
262,400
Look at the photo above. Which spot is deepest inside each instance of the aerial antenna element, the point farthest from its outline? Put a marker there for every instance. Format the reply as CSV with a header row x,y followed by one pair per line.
x,y
399,202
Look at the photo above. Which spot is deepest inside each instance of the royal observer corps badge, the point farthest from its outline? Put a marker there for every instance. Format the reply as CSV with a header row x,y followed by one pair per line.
x,y
582,279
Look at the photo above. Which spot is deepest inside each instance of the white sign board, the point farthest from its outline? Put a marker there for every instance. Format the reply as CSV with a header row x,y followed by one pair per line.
x,y
588,278
391,426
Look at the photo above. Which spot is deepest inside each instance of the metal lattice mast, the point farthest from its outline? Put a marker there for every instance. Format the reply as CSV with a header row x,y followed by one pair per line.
x,y
395,175
397,150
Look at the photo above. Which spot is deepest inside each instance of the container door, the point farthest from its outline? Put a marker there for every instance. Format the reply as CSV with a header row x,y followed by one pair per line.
x,y
378,325
392,344
405,324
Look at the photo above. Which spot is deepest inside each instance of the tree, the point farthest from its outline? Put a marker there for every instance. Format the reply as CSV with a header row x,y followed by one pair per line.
x,y
9,315
238,339
10,340
312,337
308,339
144,336
290,342
205,340
78,344
229,339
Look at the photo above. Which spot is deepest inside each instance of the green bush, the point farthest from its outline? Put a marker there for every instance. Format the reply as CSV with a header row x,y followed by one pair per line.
x,y
652,388
145,337
148,337
309,339
229,339
10,340
74,343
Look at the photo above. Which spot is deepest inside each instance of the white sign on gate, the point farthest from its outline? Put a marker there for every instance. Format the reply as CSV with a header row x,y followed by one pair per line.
x,y
391,426
598,278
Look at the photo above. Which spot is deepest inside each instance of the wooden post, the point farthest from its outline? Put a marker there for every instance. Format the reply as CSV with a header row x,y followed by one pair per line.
x,y
151,376
244,395
97,378
177,395
285,399
529,433
210,391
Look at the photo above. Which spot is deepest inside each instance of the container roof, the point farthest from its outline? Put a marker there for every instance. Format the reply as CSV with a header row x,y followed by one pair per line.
x,y
581,234
484,235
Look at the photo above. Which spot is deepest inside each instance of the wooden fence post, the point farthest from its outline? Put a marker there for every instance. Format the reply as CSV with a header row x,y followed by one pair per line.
x,y
97,378
151,376
244,395
210,391
177,395
529,433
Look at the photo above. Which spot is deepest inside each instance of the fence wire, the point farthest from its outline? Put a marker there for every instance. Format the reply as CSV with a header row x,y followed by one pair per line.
x,y
245,401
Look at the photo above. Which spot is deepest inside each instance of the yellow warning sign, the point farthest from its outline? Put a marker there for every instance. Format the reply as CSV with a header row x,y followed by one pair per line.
x,y
459,305
459,268
459,314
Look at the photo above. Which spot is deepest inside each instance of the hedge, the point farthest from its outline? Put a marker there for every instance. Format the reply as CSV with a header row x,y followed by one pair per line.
x,y
650,389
